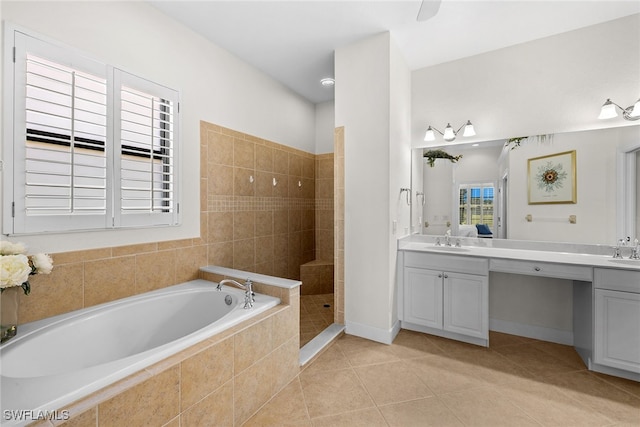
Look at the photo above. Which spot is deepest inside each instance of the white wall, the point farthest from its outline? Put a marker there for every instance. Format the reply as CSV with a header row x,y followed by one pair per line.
x,y
215,86
596,188
399,162
552,85
325,125
372,102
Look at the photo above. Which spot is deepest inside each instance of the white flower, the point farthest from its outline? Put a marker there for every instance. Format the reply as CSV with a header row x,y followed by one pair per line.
x,y
42,263
14,270
9,248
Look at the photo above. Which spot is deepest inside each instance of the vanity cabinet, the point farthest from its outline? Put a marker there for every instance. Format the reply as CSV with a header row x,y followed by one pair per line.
x,y
446,295
617,318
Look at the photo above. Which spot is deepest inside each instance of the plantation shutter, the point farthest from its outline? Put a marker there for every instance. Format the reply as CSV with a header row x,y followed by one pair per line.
x,y
60,139
147,152
88,146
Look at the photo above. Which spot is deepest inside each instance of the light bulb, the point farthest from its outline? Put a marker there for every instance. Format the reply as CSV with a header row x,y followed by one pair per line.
x,y
429,135
449,135
468,129
608,110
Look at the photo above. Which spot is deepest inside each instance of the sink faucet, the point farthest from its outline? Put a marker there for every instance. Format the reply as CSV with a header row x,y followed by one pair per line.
x,y
247,287
447,238
635,252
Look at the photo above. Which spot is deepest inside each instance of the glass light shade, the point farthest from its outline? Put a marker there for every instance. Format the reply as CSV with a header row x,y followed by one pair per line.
x,y
468,129
608,110
449,134
636,109
429,135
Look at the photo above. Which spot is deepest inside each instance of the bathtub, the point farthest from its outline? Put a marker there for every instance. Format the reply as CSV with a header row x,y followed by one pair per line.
x,y
55,361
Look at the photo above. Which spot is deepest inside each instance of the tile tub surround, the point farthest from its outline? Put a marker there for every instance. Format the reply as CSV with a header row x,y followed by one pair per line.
x,y
223,380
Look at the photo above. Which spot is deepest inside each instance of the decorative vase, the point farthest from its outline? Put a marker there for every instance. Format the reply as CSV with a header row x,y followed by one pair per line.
x,y
9,312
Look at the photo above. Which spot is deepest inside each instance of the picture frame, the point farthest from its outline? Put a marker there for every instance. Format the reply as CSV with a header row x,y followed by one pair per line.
x,y
552,179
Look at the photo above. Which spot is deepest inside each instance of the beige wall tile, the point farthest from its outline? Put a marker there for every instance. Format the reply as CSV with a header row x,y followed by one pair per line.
x,y
109,279
220,179
264,223
242,185
214,410
252,389
295,165
220,254
285,364
252,344
52,294
188,261
282,188
244,225
134,249
264,184
244,154
280,162
244,254
155,270
264,158
264,249
220,149
205,372
153,402
220,227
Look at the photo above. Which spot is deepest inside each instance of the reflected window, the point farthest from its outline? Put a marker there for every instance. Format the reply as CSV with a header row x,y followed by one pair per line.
x,y
476,204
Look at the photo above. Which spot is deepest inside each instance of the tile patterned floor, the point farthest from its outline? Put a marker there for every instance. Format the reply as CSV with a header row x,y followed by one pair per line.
x,y
423,380
315,316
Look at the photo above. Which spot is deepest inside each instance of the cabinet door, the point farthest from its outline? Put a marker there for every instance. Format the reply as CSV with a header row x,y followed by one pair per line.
x,y
466,304
617,334
423,297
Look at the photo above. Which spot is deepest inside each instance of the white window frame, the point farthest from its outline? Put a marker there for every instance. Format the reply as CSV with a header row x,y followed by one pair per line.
x,y
469,186
15,219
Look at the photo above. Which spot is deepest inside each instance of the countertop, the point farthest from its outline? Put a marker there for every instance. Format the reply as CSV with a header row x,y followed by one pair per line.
x,y
417,244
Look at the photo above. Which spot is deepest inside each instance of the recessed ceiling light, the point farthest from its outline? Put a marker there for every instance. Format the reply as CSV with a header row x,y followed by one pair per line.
x,y
328,82
474,145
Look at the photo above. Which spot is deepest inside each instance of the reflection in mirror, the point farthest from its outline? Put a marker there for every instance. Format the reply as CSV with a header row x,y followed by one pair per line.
x,y
637,189
597,211
463,194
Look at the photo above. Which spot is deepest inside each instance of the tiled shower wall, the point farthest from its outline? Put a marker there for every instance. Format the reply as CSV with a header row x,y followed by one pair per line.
x,y
259,203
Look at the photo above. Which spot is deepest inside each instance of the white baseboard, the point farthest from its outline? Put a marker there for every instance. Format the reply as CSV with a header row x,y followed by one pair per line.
x,y
384,336
531,331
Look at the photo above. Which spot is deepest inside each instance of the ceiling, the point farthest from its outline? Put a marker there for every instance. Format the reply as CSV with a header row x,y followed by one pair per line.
x,y
294,41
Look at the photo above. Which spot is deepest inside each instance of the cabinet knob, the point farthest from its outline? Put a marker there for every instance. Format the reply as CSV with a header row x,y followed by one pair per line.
x,y
536,268
446,276
440,276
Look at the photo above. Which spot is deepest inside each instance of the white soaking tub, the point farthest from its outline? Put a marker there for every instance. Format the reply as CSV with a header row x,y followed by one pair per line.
x,y
55,361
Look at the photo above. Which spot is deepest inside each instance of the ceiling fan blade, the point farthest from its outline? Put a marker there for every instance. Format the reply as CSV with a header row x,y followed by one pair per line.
x,y
428,9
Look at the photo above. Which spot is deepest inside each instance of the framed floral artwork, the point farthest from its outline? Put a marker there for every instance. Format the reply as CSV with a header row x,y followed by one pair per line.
x,y
552,179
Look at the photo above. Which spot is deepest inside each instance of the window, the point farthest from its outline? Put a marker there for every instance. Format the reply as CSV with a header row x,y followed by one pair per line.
x,y
476,204
92,147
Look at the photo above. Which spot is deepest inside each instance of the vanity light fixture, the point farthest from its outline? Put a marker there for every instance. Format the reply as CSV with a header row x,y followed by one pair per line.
x,y
608,110
449,134
328,82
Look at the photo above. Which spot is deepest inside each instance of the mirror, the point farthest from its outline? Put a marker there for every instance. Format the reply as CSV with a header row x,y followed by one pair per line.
x,y
490,182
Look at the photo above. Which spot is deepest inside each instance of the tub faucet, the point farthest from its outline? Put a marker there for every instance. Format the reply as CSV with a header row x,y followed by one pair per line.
x,y
447,238
247,287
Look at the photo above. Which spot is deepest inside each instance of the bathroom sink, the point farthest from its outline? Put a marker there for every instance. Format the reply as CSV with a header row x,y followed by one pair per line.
x,y
449,248
626,261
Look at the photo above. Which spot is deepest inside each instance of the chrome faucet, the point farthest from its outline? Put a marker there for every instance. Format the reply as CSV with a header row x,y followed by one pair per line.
x,y
447,238
247,287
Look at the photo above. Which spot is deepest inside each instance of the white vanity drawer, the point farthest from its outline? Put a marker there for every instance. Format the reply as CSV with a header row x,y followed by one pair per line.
x,y
460,264
616,280
543,269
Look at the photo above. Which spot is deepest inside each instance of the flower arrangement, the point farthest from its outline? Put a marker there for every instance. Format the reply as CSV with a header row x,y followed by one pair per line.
x,y
16,266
